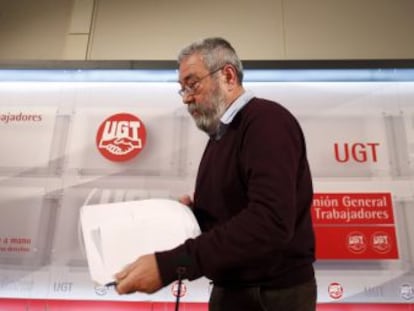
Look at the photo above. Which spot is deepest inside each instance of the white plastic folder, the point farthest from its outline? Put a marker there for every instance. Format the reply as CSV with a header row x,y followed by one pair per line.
x,y
116,234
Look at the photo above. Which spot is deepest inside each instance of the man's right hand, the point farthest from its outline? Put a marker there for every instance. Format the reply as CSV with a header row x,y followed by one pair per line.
x,y
186,200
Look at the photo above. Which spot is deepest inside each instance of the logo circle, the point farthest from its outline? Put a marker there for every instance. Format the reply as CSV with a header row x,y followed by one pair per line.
x,y
381,242
121,137
174,289
356,242
407,291
335,290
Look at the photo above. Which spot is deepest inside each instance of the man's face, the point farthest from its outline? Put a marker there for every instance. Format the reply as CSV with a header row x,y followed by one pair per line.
x,y
202,93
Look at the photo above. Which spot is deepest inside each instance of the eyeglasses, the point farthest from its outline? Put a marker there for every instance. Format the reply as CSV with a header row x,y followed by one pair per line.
x,y
192,87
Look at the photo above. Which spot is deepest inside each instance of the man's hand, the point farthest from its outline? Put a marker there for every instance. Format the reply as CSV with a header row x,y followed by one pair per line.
x,y
186,200
140,276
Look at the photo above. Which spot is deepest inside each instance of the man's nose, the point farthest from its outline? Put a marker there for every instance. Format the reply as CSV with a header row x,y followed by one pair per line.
x,y
187,98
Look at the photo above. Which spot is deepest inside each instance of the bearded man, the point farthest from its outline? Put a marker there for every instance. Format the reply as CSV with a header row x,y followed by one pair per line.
x,y
252,196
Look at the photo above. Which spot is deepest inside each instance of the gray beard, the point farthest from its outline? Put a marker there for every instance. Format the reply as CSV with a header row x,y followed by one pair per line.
x,y
208,119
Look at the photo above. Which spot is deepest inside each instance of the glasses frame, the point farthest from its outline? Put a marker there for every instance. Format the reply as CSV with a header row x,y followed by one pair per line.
x,y
191,89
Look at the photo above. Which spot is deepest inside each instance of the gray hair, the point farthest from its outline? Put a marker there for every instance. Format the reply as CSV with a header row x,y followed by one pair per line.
x,y
215,52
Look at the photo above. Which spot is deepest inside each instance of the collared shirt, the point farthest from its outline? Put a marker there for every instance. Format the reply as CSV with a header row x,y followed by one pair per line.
x,y
231,112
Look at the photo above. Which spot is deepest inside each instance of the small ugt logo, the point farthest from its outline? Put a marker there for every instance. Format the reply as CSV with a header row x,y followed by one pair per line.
x,y
174,289
407,291
121,137
381,242
335,290
356,242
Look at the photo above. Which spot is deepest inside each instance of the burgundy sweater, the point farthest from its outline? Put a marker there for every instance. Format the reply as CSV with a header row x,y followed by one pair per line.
x,y
252,201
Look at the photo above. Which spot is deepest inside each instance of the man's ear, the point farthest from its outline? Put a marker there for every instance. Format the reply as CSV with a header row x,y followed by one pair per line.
x,y
230,75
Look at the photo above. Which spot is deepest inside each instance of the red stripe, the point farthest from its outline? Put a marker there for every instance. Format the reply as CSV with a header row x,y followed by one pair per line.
x,y
86,305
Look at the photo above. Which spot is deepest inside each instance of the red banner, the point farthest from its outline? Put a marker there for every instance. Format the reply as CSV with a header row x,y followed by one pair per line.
x,y
354,226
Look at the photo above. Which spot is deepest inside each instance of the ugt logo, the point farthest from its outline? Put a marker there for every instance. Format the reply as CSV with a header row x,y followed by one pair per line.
x,y
121,137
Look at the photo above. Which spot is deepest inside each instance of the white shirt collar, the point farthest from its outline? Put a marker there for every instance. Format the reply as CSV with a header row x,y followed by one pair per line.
x,y
231,112
236,106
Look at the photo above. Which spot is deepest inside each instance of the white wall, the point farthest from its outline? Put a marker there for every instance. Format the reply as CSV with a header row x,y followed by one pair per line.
x,y
157,29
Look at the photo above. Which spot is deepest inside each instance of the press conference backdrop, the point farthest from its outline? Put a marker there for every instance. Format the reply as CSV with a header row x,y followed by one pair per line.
x,y
75,137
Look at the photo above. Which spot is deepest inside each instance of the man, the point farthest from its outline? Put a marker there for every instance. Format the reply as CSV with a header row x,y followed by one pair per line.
x,y
252,197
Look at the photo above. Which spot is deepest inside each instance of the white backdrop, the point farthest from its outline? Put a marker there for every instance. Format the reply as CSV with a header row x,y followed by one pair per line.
x,y
50,166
